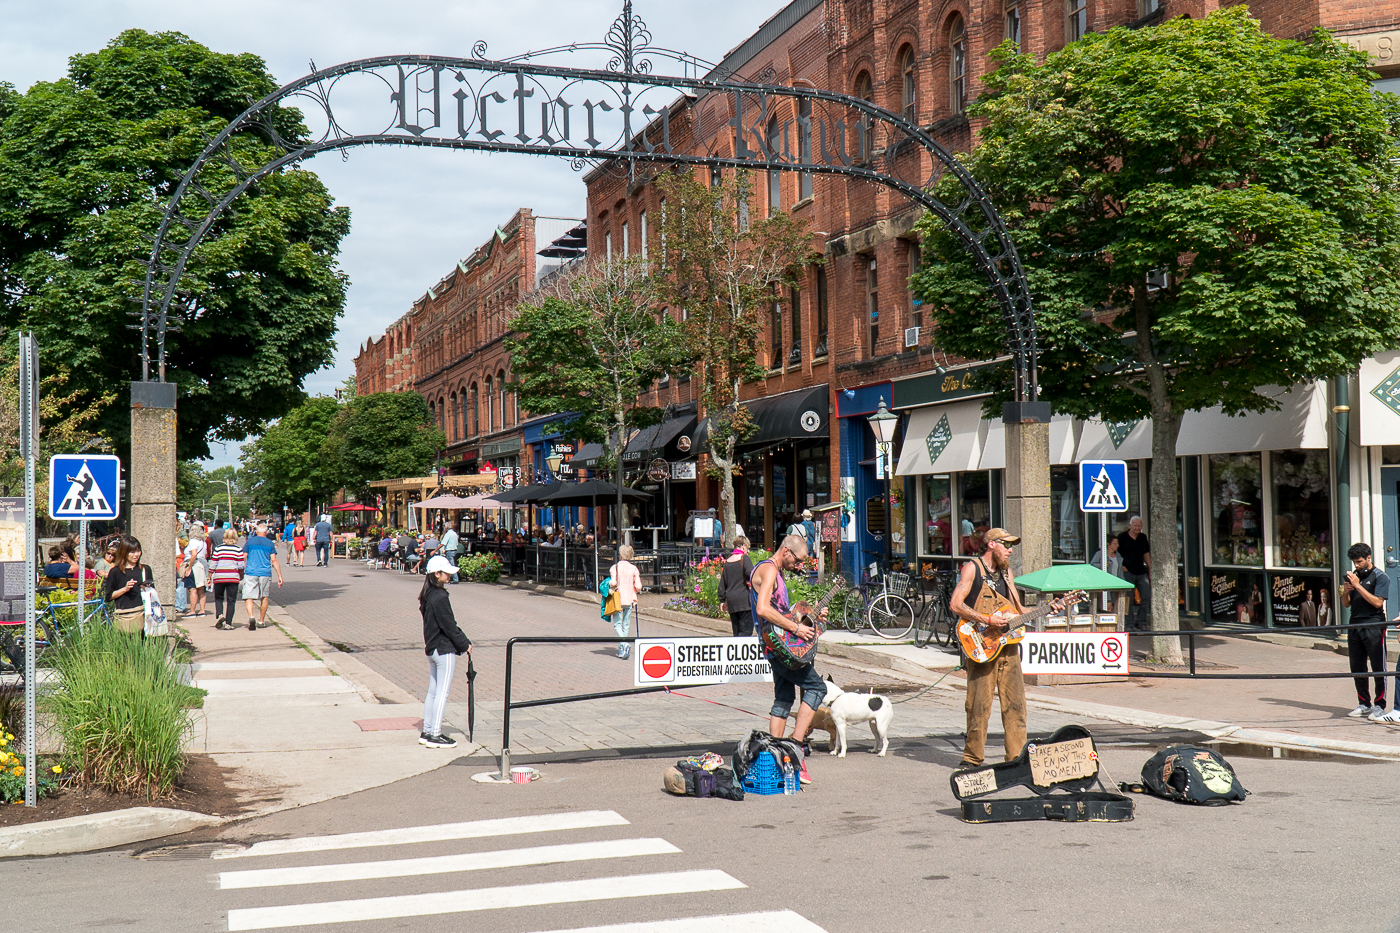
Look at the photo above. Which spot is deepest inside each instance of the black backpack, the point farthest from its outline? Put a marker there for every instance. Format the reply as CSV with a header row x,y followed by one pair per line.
x,y
1191,774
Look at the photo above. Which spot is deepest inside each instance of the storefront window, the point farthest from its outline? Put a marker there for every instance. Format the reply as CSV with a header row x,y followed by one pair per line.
x,y
899,546
938,515
1302,508
754,505
974,512
1066,520
1237,509
814,464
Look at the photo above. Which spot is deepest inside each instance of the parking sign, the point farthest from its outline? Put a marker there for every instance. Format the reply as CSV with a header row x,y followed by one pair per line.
x,y
1103,486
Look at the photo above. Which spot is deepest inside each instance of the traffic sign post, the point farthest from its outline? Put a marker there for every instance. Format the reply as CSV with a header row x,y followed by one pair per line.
x,y
1103,487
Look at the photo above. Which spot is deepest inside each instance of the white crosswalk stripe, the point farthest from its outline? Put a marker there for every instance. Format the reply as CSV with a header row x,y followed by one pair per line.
x,y
494,895
441,864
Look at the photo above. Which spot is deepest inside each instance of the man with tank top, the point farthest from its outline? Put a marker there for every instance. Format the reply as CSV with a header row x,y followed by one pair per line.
x,y
991,573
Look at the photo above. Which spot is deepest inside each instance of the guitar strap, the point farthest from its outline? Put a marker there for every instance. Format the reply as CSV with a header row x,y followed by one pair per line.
x,y
986,595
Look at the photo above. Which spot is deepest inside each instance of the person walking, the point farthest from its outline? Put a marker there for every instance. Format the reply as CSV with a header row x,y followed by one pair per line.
x,y
123,587
1365,591
226,569
451,546
299,542
289,534
323,541
1115,560
196,571
443,641
626,581
1136,552
182,573
257,581
216,537
734,588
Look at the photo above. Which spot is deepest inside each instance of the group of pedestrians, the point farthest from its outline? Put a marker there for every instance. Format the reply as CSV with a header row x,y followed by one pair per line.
x,y
296,536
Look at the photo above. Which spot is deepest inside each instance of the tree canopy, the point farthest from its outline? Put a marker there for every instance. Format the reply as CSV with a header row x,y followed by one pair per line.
x,y
1202,210
726,267
287,464
386,434
87,165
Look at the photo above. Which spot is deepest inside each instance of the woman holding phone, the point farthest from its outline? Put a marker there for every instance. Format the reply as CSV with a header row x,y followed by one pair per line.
x,y
123,587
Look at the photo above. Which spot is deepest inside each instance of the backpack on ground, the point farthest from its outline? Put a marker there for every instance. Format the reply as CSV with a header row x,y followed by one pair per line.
x,y
1192,774
759,742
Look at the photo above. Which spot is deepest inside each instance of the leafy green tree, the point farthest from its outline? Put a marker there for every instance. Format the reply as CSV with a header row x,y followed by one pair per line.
x,y
589,346
87,165
1202,210
288,464
197,488
726,267
378,436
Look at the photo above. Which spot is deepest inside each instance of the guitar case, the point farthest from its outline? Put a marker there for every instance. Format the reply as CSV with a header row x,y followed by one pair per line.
x,y
1063,771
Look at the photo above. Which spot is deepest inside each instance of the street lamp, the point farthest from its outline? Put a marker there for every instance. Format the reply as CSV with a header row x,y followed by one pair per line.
x,y
883,424
554,461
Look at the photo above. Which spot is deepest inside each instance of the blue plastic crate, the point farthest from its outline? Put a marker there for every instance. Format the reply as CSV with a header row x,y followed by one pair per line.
x,y
765,777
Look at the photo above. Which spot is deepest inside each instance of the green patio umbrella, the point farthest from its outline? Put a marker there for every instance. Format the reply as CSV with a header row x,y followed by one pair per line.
x,y
1061,578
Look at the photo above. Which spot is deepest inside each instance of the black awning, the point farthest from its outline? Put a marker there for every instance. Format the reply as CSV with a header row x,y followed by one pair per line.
x,y
652,441
792,416
587,456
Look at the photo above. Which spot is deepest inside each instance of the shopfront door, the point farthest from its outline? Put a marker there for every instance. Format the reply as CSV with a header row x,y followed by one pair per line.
x,y
1390,508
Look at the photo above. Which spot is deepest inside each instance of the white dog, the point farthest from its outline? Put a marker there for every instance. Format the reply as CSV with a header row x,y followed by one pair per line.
x,y
852,708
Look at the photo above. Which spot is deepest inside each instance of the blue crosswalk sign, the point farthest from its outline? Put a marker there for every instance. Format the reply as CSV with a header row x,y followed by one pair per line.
x,y
1103,486
84,486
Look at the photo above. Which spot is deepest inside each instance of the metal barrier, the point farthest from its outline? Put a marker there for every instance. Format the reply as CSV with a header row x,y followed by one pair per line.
x,y
1193,633
553,701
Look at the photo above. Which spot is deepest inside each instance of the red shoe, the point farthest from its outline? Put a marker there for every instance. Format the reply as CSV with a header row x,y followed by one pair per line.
x,y
803,775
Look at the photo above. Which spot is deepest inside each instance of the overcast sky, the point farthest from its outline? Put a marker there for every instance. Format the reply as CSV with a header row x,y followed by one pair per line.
x,y
415,212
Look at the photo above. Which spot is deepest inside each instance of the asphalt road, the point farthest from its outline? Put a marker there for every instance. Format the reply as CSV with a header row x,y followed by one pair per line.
x,y
875,844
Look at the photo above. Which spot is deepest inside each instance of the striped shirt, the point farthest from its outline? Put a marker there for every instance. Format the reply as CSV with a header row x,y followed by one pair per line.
x,y
227,565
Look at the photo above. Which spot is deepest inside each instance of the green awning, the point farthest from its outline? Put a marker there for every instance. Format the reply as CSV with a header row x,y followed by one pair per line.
x,y
1061,578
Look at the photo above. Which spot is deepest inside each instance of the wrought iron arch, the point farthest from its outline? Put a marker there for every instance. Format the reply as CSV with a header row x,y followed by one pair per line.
x,y
475,103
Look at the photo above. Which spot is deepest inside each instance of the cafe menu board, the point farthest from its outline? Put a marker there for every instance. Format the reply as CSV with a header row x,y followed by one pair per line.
x,y
1296,599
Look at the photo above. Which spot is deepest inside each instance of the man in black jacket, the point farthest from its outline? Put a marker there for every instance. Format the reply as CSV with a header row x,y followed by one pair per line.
x,y
443,640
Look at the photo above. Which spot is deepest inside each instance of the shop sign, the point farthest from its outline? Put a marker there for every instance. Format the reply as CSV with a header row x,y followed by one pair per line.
x,y
1237,597
685,469
1296,598
658,470
831,525
691,661
683,443
486,467
507,477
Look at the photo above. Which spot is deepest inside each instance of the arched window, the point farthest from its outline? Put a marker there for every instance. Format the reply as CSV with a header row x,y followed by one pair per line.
x,y
461,414
957,65
501,391
452,418
476,411
490,409
865,140
775,190
1076,20
804,146
908,72
1013,22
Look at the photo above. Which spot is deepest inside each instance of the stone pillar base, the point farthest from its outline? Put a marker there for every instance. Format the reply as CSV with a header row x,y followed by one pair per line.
x,y
151,485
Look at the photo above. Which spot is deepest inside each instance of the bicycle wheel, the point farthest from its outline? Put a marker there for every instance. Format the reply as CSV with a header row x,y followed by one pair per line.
x,y
923,628
891,616
852,611
943,628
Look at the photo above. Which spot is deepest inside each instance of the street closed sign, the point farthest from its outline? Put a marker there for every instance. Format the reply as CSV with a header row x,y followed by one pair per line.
x,y
1075,653
692,661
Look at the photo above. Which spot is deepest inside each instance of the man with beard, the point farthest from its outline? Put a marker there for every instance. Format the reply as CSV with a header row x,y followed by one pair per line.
x,y
980,582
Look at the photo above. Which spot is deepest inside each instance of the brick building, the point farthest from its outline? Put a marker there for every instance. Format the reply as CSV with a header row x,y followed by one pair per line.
x,y
449,347
851,335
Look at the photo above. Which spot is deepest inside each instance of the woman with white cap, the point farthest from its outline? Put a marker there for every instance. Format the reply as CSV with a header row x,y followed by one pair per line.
x,y
443,640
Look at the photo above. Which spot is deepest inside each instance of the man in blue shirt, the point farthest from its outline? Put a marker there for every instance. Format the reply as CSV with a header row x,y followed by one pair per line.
x,y
257,578
289,538
323,541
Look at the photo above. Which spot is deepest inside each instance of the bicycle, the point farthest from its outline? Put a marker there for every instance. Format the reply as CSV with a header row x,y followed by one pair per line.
x,y
936,622
884,610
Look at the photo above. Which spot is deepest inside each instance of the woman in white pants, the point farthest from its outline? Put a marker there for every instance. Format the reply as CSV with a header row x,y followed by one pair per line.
x,y
443,640
626,581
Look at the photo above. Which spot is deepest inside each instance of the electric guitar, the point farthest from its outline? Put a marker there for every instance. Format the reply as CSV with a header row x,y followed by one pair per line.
x,y
981,643
786,647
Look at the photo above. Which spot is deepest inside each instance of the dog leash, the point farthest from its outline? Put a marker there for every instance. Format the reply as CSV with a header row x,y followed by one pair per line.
x,y
714,703
940,680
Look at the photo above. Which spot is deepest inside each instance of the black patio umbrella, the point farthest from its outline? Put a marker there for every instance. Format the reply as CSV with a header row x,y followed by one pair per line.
x,y
588,493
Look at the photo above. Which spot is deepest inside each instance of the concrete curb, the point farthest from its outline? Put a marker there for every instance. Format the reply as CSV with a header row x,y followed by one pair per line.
x,y
99,831
370,685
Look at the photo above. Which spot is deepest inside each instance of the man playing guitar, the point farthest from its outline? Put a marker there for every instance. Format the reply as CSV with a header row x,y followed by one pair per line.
x,y
992,572
771,608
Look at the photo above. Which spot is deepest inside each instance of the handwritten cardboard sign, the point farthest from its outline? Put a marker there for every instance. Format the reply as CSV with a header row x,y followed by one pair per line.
x,y
1063,761
975,783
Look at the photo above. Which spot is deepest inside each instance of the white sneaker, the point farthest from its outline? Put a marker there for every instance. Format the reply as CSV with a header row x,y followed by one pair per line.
x,y
1392,717
1363,709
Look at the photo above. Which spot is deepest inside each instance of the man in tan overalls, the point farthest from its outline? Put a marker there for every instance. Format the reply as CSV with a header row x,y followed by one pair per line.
x,y
984,580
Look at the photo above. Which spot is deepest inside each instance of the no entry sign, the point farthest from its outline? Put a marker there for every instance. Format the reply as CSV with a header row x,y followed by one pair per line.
x,y
691,661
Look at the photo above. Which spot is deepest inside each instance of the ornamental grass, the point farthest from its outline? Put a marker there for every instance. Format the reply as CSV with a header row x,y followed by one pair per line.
x,y
121,711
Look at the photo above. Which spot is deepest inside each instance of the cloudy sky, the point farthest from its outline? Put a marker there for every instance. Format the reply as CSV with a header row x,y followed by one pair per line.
x,y
415,211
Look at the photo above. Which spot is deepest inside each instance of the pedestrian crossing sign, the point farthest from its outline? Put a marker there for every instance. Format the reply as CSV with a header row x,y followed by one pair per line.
x,y
1103,486
84,486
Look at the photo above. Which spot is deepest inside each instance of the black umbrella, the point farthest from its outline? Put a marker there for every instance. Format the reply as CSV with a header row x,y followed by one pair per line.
x,y
471,698
584,493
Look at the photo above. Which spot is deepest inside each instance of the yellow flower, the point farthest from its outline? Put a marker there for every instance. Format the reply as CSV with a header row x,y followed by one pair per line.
x,y
57,769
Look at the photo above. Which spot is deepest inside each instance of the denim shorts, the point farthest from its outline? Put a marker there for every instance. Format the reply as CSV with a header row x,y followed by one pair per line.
x,y
786,684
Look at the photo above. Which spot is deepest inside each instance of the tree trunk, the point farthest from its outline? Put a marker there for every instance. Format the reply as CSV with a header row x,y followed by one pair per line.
x,y
1166,615
728,512
621,474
